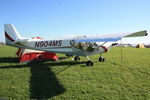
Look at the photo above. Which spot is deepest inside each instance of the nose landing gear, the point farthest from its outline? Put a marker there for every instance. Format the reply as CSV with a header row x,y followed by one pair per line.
x,y
101,59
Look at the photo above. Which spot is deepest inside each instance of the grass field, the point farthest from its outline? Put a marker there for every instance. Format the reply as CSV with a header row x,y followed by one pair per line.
x,y
69,80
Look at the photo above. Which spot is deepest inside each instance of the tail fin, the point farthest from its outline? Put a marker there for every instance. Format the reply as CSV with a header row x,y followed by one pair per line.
x,y
11,34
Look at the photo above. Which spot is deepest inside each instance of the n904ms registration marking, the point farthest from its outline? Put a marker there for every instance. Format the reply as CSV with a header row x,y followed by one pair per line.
x,y
40,44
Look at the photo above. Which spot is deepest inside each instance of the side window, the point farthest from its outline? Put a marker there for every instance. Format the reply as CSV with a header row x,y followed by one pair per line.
x,y
88,46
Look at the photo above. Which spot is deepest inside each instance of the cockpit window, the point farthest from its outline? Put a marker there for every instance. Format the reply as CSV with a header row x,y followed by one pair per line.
x,y
88,46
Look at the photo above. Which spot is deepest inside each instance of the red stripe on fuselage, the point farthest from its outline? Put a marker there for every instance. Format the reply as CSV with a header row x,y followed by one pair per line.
x,y
104,48
8,37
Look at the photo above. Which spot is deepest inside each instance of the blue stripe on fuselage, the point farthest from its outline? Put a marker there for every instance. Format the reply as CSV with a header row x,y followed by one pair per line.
x,y
98,40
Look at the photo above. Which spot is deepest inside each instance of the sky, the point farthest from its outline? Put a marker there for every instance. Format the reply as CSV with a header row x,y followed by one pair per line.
x,y
52,19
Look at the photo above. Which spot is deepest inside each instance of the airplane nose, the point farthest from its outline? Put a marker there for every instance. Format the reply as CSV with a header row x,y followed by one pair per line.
x,y
104,48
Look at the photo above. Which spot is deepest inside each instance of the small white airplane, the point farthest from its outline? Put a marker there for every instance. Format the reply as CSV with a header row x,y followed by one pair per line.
x,y
79,46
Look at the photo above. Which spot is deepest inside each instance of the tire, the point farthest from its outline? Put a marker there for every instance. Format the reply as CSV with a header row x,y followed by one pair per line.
x,y
101,59
89,63
76,58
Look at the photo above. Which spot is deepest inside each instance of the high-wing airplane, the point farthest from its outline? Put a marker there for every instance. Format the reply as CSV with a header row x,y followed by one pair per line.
x,y
78,46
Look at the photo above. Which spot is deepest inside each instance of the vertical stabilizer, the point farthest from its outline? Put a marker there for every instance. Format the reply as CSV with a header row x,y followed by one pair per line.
x,y
11,34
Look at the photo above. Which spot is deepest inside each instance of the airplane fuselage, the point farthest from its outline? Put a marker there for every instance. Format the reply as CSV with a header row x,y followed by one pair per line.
x,y
61,46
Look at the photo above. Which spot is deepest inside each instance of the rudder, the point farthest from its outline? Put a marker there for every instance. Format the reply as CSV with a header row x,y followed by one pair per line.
x,y
11,34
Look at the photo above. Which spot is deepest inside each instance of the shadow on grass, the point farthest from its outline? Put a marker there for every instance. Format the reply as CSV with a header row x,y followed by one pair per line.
x,y
16,59
43,82
9,60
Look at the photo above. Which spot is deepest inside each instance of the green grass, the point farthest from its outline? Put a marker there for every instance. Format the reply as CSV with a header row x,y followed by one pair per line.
x,y
68,80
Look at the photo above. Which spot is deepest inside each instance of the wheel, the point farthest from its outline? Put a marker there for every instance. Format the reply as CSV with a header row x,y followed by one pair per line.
x,y
101,59
76,58
89,63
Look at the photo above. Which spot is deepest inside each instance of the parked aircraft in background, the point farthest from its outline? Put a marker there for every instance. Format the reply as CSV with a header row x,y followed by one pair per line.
x,y
81,46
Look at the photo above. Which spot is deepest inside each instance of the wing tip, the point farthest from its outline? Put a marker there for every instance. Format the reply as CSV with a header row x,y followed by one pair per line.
x,y
146,33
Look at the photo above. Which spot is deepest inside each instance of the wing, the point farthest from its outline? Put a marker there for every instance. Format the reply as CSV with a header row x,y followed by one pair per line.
x,y
109,37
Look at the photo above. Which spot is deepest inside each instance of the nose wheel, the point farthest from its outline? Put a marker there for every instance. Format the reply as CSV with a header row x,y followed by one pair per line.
x,y
101,59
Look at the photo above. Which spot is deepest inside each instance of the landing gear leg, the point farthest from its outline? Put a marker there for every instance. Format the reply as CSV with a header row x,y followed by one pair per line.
x,y
89,62
101,59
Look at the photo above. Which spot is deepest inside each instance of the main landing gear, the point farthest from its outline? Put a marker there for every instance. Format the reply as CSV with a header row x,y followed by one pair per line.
x,y
89,62
76,58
